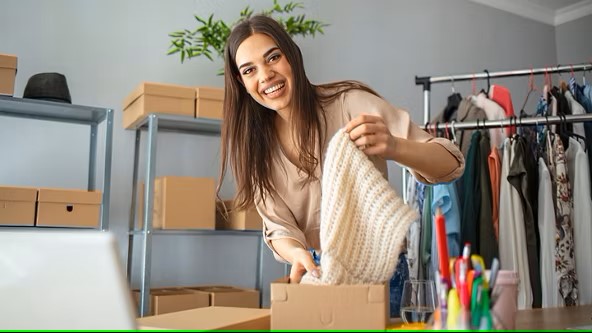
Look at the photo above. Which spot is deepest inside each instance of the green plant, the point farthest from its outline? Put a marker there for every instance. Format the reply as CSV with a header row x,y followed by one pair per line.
x,y
210,36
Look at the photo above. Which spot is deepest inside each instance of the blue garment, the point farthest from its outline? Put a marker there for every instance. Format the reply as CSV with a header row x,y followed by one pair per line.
x,y
445,197
582,97
396,285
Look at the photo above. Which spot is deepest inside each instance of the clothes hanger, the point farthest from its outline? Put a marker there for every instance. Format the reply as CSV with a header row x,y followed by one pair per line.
x,y
488,84
531,88
453,131
568,134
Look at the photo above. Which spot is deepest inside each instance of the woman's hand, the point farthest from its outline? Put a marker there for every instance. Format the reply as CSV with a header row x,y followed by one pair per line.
x,y
302,262
371,135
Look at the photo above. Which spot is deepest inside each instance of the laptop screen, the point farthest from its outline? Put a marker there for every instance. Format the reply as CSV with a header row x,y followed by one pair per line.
x,y
62,280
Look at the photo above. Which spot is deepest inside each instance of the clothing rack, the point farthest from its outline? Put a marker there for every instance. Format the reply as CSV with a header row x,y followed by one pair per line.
x,y
509,122
426,82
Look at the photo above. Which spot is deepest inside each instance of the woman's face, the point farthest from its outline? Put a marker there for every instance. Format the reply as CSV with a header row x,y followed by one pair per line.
x,y
265,72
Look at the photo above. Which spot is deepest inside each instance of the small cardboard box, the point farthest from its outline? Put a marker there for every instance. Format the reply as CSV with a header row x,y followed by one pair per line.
x,y
181,203
210,318
68,208
237,220
167,300
150,97
329,307
17,205
8,64
209,102
229,296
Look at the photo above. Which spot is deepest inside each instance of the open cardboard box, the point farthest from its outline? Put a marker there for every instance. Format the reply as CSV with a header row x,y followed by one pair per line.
x,y
210,318
329,307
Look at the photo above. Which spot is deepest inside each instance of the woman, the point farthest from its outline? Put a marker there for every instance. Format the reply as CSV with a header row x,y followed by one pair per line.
x,y
277,125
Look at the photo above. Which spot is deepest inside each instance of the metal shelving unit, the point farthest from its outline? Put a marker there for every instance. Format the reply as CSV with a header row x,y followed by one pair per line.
x,y
154,123
74,114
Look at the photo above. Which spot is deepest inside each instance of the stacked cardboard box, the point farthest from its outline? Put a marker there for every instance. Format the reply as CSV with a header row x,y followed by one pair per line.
x,y
154,97
181,203
8,67
53,207
228,218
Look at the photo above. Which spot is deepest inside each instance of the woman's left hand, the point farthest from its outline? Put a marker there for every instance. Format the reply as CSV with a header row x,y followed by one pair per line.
x,y
371,135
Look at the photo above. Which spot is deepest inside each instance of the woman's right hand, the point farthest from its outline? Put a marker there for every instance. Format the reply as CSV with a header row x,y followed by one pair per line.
x,y
302,262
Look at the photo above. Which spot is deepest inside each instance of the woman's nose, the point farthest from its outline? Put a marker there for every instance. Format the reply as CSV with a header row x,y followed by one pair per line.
x,y
267,73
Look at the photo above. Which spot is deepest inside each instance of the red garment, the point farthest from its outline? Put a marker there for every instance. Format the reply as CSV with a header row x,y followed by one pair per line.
x,y
501,95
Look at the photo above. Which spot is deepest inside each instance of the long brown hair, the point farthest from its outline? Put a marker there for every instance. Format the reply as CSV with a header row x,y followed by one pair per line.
x,y
249,139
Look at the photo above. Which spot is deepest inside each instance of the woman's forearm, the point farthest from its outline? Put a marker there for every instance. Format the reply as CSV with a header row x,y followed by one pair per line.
x,y
427,158
287,248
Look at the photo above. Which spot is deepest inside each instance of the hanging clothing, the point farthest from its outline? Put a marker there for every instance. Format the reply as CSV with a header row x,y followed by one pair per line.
x,y
493,111
564,245
468,111
501,95
487,246
576,109
469,223
578,171
546,213
522,176
444,197
425,245
413,235
494,161
512,248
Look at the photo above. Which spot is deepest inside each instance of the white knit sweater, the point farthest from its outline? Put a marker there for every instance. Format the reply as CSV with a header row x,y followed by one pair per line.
x,y
363,220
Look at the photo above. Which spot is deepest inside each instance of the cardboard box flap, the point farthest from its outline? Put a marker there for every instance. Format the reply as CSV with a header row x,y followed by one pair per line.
x,y
210,318
8,61
279,292
209,93
8,193
69,196
159,89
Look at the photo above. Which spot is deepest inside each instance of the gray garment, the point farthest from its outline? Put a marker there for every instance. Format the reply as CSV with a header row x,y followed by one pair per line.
x,y
467,111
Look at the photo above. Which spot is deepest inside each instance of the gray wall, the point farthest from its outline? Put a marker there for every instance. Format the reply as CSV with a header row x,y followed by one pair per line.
x,y
105,48
573,42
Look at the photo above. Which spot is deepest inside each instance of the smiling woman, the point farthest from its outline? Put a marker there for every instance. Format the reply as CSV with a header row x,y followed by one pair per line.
x,y
277,126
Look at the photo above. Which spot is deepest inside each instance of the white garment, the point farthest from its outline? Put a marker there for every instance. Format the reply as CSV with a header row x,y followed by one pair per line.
x,y
414,232
493,111
579,180
546,217
363,220
576,109
512,234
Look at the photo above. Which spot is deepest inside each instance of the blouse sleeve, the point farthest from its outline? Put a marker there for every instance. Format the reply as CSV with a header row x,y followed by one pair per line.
x,y
278,223
358,102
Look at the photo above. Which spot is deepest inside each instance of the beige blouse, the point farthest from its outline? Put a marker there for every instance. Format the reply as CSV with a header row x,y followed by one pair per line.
x,y
294,211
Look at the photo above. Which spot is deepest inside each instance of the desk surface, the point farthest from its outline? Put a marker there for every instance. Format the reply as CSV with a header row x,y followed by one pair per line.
x,y
554,318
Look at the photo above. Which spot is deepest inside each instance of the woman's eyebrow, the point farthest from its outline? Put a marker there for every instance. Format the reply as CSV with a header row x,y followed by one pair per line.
x,y
264,56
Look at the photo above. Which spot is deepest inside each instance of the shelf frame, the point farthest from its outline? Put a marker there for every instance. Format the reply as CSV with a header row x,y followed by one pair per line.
x,y
153,124
73,114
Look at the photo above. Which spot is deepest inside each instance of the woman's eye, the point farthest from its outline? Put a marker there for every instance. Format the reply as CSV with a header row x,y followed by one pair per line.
x,y
274,57
247,71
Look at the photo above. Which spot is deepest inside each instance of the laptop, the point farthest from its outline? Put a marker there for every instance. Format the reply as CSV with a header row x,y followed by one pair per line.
x,y
66,280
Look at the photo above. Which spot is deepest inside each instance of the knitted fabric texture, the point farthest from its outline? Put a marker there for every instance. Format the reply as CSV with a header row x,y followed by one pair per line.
x,y
363,220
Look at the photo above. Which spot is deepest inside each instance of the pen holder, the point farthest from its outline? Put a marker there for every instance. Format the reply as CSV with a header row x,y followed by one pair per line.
x,y
464,323
500,315
505,298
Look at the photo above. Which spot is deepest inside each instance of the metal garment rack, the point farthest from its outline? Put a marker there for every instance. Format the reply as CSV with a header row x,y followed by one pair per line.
x,y
427,81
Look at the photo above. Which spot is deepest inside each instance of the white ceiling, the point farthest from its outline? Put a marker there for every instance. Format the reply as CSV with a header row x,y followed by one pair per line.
x,y
553,12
